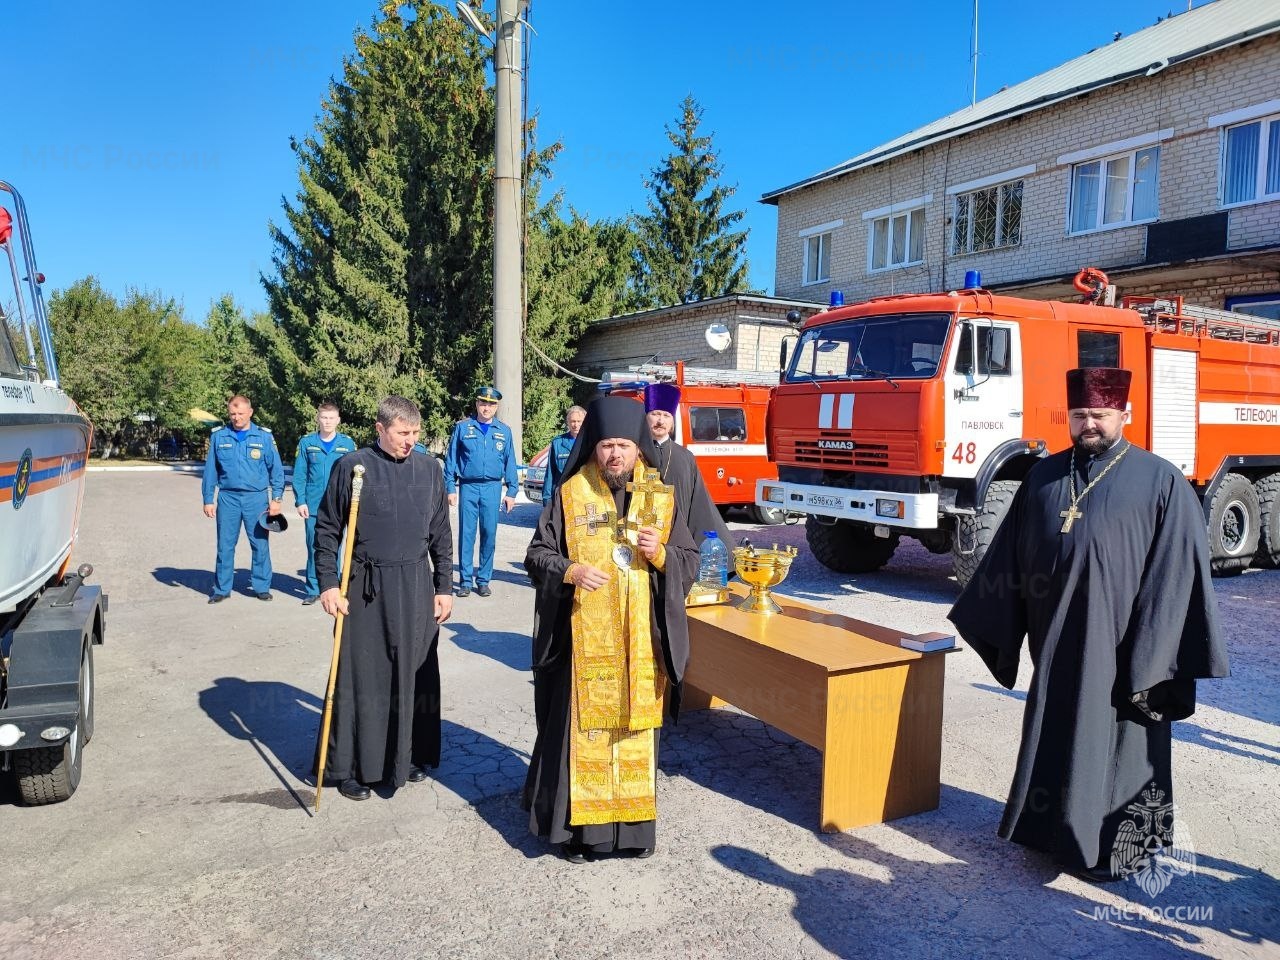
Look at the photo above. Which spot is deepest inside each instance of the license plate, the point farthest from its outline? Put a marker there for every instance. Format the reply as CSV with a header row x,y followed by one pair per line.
x,y
818,500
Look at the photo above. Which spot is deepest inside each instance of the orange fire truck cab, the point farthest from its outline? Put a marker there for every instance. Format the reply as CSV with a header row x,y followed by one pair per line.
x,y
722,423
920,415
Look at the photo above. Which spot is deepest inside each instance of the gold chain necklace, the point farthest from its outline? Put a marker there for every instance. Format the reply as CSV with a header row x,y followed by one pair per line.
x,y
1071,514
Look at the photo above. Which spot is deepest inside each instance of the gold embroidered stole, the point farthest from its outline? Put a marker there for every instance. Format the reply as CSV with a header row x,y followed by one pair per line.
x,y
618,683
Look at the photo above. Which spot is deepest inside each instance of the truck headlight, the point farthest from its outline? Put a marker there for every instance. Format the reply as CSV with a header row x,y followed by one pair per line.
x,y
9,734
774,495
53,734
889,508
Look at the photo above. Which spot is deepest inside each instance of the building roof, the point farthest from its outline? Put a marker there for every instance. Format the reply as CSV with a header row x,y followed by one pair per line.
x,y
662,312
1177,39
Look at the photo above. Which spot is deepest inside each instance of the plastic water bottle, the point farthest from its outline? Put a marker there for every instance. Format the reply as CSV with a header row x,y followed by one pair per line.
x,y
713,562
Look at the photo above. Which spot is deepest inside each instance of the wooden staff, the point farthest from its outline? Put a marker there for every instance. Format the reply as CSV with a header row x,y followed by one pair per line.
x,y
357,484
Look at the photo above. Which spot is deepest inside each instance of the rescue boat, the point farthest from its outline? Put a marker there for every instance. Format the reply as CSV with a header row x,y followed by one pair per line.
x,y
44,436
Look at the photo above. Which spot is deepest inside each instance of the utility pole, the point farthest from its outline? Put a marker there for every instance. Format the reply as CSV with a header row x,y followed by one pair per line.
x,y
973,99
508,214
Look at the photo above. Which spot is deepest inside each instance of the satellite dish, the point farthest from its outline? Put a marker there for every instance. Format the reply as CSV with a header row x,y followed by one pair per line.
x,y
718,337
469,17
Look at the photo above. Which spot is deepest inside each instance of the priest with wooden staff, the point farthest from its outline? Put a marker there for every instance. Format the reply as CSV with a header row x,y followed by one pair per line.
x,y
386,714
611,560
1102,563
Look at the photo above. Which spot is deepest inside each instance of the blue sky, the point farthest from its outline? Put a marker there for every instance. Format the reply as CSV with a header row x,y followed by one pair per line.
x,y
152,141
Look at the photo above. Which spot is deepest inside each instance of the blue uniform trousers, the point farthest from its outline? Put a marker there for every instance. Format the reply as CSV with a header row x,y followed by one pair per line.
x,y
236,509
478,504
313,584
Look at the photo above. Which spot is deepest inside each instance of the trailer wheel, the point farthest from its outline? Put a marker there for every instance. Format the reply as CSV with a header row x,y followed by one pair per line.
x,y
1268,490
974,534
770,516
51,774
847,547
1234,524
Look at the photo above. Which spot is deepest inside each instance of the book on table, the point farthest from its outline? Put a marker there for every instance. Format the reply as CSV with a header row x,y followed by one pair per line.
x,y
928,642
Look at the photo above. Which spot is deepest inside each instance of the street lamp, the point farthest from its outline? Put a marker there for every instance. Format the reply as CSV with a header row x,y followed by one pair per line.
x,y
508,211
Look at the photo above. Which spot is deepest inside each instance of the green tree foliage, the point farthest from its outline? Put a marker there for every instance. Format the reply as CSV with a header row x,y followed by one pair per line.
x,y
135,367
383,268
687,248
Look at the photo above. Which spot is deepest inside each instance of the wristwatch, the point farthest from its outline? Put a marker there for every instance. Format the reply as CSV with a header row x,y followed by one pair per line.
x,y
277,499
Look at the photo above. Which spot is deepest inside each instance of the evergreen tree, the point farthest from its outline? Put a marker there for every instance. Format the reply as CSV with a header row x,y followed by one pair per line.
x,y
383,273
687,248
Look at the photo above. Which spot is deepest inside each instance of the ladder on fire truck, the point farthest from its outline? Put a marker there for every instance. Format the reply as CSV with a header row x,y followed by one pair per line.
x,y
1172,315
702,376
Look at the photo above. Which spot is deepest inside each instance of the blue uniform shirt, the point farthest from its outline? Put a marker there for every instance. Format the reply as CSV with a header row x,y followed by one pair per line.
x,y
557,457
476,454
247,464
311,466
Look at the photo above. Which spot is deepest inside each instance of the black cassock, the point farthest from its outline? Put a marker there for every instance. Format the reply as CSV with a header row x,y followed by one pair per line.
x,y
1121,621
546,789
679,468
386,709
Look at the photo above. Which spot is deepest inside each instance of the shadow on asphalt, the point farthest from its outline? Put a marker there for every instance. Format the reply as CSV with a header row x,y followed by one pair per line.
x,y
201,581
514,650
953,894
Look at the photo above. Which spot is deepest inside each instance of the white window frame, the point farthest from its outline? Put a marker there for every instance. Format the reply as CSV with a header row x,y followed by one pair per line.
x,y
969,195
823,232
1102,160
890,213
1260,175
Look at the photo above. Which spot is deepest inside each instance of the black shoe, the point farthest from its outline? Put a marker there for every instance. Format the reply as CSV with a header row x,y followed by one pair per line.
x,y
573,852
483,590
217,598
308,601
644,853
418,774
353,790
462,592
263,596
1097,875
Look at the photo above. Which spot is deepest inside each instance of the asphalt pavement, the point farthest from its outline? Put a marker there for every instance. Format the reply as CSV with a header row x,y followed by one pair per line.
x,y
191,835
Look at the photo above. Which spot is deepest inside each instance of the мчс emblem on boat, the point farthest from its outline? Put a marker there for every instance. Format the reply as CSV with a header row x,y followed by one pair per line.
x,y
22,479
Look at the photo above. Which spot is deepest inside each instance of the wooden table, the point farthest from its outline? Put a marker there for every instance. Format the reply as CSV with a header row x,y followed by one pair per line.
x,y
844,686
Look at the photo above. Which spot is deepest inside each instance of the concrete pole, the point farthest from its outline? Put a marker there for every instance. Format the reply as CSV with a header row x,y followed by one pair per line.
x,y
508,213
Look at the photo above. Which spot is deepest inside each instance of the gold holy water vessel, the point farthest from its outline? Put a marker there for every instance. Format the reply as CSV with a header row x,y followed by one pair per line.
x,y
762,569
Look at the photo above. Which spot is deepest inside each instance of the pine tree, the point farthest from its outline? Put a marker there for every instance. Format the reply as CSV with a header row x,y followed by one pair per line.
x,y
687,248
382,273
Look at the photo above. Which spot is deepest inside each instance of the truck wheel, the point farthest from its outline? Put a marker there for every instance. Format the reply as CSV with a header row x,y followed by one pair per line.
x,y
974,534
771,516
1268,490
51,774
1234,524
847,547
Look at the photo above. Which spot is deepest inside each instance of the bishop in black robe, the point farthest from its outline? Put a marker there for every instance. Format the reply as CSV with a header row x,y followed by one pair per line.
x,y
386,710
546,789
1121,620
679,468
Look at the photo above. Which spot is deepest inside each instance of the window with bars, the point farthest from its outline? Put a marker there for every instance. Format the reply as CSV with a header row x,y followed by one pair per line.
x,y
1251,162
1115,191
988,218
897,240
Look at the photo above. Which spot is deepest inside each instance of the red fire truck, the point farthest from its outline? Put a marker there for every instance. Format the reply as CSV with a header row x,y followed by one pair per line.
x,y
919,416
722,423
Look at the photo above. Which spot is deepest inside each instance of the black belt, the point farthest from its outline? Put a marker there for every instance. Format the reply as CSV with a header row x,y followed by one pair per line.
x,y
373,572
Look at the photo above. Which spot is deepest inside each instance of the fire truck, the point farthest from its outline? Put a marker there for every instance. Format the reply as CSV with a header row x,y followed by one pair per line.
x,y
722,423
920,415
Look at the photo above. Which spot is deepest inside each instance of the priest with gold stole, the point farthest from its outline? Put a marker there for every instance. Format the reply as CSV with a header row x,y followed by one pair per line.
x,y
611,561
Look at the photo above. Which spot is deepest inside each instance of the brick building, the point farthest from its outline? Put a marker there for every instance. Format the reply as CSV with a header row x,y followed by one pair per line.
x,y
1156,157
756,324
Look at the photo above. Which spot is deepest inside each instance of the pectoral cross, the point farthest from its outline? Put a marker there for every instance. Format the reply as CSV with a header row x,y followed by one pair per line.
x,y
646,515
1070,516
594,521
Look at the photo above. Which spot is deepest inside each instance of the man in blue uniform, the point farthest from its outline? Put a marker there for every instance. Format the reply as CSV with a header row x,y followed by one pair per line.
x,y
244,467
558,455
316,455
480,460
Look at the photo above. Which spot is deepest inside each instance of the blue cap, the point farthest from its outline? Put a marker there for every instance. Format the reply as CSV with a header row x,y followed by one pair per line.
x,y
276,524
972,280
488,393
837,298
